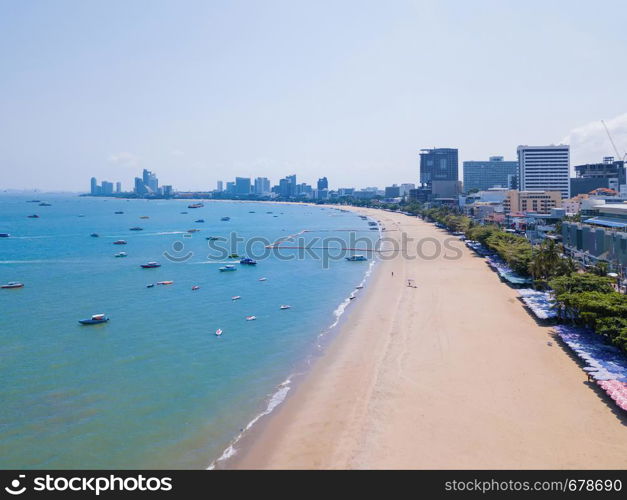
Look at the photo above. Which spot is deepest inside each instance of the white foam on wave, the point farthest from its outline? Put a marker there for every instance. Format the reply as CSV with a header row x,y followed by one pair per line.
x,y
275,400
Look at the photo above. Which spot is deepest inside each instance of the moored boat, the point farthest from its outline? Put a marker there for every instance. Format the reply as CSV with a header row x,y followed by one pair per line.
x,y
195,205
193,230
13,284
118,212
200,220
218,332
150,285
150,265
94,320
227,268
94,235
248,262
136,228
119,242
285,307
225,218
168,282
236,297
34,216
251,318
263,279
195,287
121,254
356,258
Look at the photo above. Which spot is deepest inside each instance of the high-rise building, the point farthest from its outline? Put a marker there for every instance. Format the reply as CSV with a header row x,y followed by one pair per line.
x,y
262,186
483,175
242,186
94,186
438,164
220,186
393,191
544,168
230,188
150,181
609,174
107,188
118,187
406,188
167,191
323,183
140,187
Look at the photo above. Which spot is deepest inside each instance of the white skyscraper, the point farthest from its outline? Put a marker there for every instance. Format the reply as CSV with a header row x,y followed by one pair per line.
x,y
544,168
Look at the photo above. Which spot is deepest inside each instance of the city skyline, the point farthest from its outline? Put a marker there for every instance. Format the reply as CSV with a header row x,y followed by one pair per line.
x,y
357,98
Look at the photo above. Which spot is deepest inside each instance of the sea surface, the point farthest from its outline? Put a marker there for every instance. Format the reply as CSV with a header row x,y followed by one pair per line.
x,y
155,387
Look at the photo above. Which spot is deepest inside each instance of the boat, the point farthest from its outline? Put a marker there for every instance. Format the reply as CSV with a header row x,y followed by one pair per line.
x,y
136,228
33,201
251,211
4,235
118,212
150,285
233,256
81,215
94,235
263,279
200,220
144,217
184,213
195,205
195,287
251,318
150,265
248,262
225,218
34,216
236,297
119,242
44,204
227,268
165,282
193,230
94,320
356,258
219,332
13,284
212,238
120,254
285,307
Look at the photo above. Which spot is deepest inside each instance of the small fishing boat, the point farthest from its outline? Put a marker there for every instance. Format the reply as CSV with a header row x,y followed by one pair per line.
x,y
218,332
195,205
193,230
184,213
225,219
251,318
212,238
34,216
236,297
263,279
44,204
227,268
200,220
150,285
285,307
150,265
81,215
94,235
136,228
144,217
94,320
33,201
248,262
356,258
195,287
251,211
118,212
233,256
121,254
4,235
13,284
164,282
119,242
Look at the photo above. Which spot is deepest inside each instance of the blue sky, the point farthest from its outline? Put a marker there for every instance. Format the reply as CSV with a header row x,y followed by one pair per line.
x,y
205,90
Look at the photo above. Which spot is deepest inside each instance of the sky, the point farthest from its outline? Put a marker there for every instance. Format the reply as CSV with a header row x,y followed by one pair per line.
x,y
199,91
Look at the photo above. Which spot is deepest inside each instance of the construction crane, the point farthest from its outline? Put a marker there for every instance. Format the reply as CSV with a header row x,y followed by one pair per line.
x,y
607,131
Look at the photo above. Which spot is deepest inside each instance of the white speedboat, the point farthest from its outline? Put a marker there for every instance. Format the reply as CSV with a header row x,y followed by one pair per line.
x,y
285,307
218,332
251,318
13,284
236,297
227,268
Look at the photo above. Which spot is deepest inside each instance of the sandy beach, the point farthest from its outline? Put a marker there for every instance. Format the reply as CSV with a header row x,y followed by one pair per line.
x,y
451,374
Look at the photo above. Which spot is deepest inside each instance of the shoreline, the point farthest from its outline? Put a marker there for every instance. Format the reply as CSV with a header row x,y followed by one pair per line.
x,y
453,374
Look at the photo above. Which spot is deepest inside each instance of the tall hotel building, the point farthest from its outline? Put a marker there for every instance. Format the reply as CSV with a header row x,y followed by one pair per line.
x,y
544,168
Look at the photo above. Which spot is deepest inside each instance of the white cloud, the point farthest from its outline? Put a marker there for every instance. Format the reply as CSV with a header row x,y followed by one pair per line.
x,y
124,159
590,143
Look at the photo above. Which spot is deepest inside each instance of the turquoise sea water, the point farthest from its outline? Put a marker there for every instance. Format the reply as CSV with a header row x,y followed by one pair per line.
x,y
154,387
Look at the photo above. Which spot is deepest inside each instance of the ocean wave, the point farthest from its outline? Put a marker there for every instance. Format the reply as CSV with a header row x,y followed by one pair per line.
x,y
275,400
